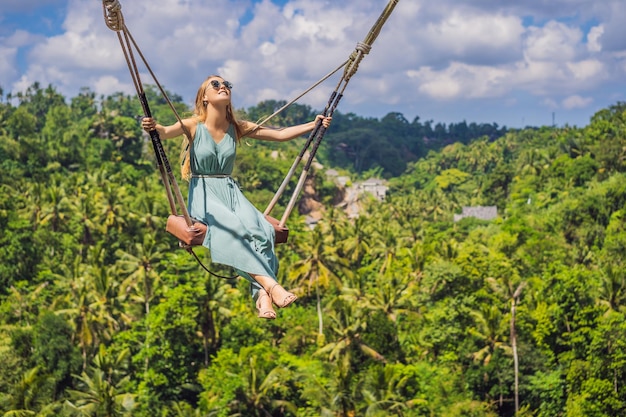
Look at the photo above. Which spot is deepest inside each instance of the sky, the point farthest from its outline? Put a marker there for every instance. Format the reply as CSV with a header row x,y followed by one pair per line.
x,y
510,62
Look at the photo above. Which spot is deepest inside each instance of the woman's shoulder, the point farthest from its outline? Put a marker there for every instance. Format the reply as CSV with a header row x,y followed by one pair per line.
x,y
246,127
191,123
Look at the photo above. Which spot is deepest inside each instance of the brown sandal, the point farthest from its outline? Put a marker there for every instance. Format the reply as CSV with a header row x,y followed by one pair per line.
x,y
265,313
286,300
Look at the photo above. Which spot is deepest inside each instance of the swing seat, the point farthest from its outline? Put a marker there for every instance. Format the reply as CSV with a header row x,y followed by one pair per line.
x,y
194,235
282,232
189,235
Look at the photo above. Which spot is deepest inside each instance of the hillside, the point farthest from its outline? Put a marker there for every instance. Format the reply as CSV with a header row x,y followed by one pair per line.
x,y
402,310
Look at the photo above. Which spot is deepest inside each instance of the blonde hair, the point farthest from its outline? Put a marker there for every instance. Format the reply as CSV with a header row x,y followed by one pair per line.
x,y
200,113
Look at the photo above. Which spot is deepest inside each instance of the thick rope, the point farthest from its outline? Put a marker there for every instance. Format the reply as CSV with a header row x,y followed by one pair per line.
x,y
360,51
113,15
316,136
324,78
115,21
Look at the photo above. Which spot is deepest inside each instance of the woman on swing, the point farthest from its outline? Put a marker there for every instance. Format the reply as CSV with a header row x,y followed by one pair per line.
x,y
237,233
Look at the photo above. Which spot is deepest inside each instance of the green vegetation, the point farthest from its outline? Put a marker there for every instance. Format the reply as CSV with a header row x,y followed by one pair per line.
x,y
402,311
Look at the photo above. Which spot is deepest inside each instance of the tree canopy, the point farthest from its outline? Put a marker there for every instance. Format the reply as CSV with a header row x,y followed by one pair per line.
x,y
402,310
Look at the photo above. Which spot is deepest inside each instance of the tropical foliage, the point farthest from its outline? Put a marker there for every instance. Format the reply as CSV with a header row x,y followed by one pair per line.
x,y
402,311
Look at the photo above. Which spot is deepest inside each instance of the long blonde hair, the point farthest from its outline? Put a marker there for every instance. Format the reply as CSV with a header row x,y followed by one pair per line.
x,y
200,113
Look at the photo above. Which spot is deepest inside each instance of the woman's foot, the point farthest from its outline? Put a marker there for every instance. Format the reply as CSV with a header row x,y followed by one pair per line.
x,y
264,306
280,296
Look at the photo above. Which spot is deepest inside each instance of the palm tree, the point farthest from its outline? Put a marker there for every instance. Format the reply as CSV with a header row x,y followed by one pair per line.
x,y
387,238
98,397
513,293
55,207
33,207
514,301
110,298
213,311
348,320
435,204
613,289
410,219
85,204
80,302
28,394
142,280
24,305
90,296
384,395
114,213
183,409
318,391
356,244
100,388
391,287
488,332
257,392
317,268
533,161
148,206
393,267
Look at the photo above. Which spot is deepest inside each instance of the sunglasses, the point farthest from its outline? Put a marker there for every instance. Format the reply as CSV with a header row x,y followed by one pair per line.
x,y
216,84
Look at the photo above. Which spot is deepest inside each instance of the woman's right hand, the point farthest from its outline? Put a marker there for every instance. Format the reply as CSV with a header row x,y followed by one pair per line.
x,y
148,124
325,120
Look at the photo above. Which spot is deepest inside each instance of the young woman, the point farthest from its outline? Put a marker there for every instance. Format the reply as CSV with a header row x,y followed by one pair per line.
x,y
237,234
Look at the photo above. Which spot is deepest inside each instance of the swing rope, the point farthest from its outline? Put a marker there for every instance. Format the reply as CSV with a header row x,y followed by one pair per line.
x,y
115,21
317,134
324,78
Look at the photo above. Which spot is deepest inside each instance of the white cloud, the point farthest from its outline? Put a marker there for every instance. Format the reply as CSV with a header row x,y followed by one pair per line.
x,y
9,48
550,103
78,51
614,33
449,51
576,102
21,38
593,39
588,69
553,42
461,81
108,85
476,37
7,63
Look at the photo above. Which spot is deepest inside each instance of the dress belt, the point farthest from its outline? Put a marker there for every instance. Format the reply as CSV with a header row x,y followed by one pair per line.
x,y
210,176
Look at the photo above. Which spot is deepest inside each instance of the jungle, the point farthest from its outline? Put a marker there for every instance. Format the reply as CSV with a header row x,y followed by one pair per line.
x,y
403,310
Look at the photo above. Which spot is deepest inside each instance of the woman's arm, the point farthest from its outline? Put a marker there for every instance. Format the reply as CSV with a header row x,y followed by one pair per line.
x,y
168,132
285,134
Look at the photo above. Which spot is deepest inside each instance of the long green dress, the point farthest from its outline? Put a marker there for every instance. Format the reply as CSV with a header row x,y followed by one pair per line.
x,y
238,234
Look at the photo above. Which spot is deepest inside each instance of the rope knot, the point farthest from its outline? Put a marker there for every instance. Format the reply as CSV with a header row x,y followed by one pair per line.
x,y
363,47
113,14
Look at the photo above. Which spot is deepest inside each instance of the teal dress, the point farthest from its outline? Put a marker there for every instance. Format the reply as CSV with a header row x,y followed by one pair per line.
x,y
237,234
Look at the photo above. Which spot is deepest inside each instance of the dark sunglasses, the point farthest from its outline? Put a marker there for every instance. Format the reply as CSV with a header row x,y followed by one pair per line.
x,y
216,84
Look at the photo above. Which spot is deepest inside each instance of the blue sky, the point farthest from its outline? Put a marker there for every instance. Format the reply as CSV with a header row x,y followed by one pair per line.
x,y
487,61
